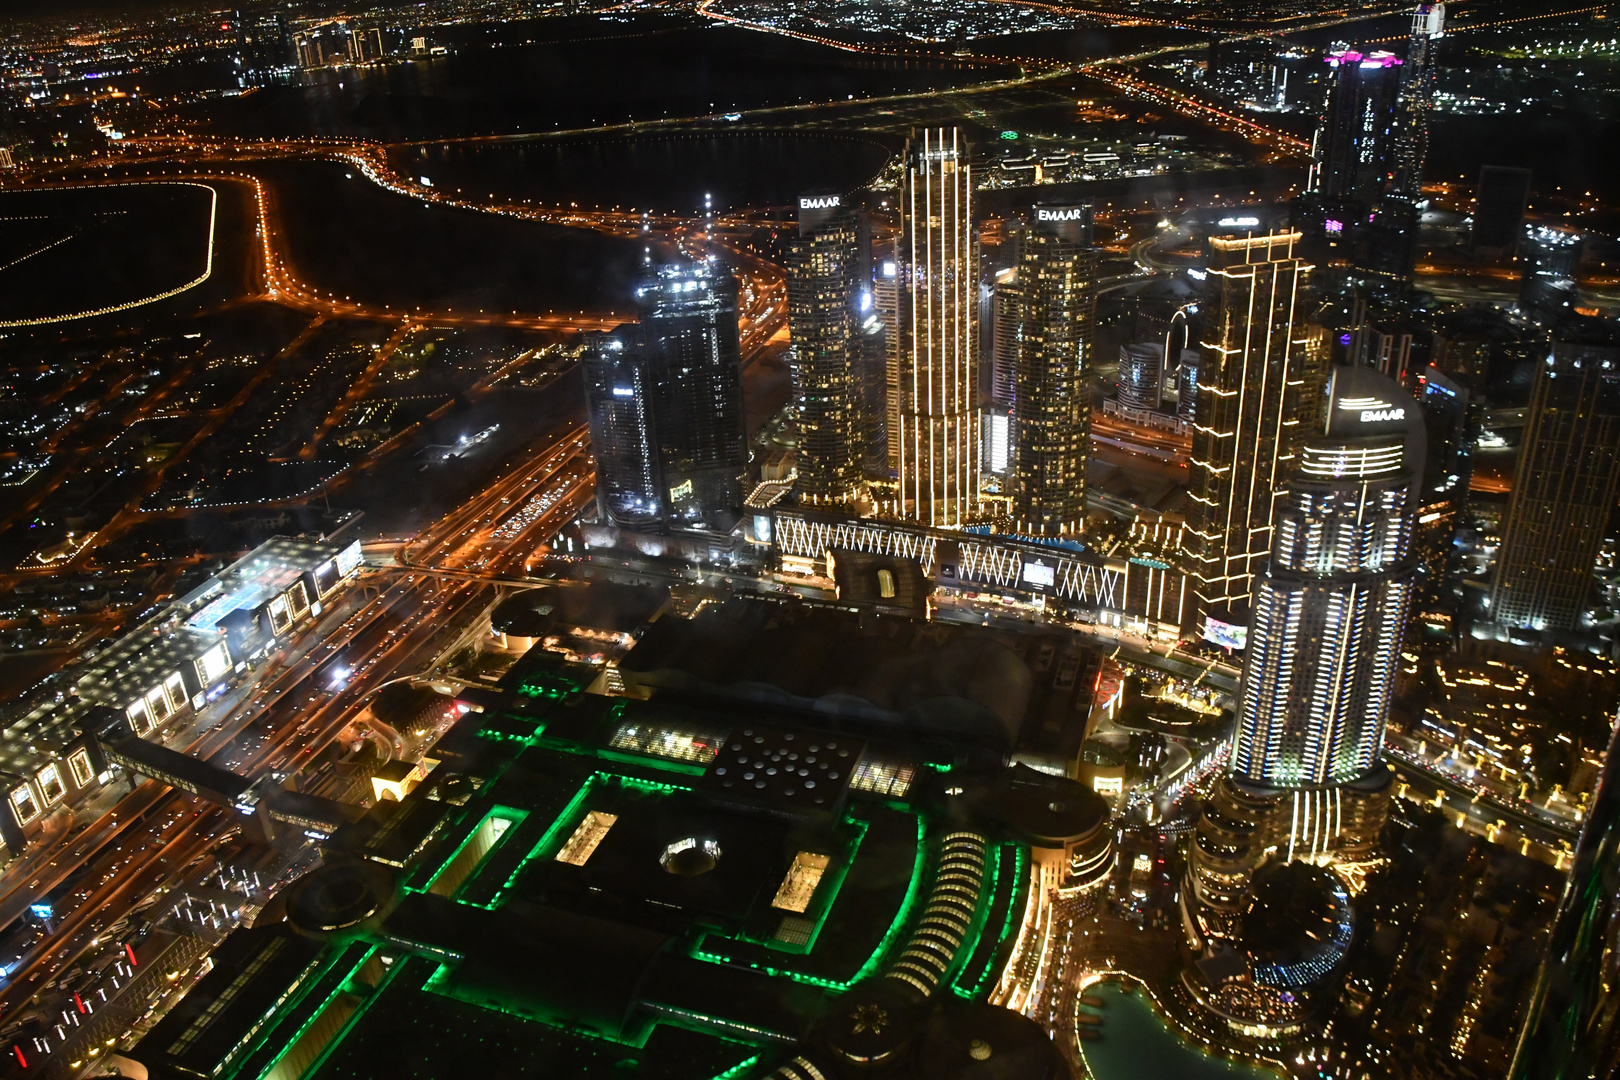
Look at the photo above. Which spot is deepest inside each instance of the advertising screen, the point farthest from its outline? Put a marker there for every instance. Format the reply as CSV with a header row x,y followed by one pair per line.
x,y
1225,634
1039,575
348,559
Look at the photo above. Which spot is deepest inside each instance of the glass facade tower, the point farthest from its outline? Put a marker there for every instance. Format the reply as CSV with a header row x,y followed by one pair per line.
x,y
1258,384
1565,484
666,409
1051,408
937,450
1330,610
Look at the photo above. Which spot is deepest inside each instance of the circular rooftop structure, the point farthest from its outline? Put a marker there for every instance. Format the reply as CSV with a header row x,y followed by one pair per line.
x,y
1297,926
871,1024
690,857
528,614
985,1042
338,896
1050,810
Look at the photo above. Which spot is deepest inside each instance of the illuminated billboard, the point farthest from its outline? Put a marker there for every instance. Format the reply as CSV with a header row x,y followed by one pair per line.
x,y
1039,575
1225,634
348,559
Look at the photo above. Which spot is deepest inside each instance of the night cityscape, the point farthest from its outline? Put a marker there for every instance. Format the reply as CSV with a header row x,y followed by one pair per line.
x,y
810,540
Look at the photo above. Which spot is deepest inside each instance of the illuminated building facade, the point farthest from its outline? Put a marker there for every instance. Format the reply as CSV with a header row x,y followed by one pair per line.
x,y
1141,367
1353,147
1258,382
937,457
694,367
1330,610
664,398
1416,99
628,492
886,303
829,297
1565,484
1051,414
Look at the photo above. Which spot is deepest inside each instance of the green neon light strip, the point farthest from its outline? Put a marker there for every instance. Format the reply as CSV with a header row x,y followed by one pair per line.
x,y
904,915
1014,913
830,890
738,1069
546,839
775,973
687,768
552,838
505,813
287,1047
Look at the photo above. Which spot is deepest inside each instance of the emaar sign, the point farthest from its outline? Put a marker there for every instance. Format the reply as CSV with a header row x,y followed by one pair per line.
x,y
1072,213
820,202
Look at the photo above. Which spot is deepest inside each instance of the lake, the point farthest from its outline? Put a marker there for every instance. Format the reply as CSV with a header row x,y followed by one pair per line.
x,y
1137,1044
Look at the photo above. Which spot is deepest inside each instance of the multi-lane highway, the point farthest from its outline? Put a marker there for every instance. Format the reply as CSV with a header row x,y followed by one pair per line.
x,y
397,622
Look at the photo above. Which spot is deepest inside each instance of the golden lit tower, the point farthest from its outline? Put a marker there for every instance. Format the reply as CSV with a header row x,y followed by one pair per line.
x,y
938,452
1259,380
1051,414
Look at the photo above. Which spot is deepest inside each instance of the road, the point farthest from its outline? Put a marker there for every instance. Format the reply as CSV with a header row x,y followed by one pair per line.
x,y
397,622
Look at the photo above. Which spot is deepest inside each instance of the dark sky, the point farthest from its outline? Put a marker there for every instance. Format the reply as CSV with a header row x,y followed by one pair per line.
x,y
26,9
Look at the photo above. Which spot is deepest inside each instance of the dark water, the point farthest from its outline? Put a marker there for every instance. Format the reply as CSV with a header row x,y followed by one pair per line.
x,y
352,238
670,173
612,72
73,250
1136,1043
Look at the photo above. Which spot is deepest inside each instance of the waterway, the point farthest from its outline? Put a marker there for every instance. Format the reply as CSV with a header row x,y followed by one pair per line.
x,y
669,173
1136,1043
573,73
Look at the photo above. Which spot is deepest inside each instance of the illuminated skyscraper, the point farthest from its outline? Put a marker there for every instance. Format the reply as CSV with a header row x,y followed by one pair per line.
x,y
665,402
886,303
629,493
1051,415
1416,98
1548,290
1141,374
1565,484
1351,155
1258,382
694,363
1330,610
828,284
937,458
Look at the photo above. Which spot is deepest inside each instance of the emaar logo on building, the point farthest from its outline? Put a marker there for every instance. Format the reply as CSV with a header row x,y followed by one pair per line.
x,y
820,202
1372,410
1072,213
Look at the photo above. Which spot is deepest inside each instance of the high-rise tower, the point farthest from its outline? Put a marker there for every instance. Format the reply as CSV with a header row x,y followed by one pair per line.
x,y
629,491
1051,415
1259,382
937,456
828,280
666,409
1330,610
1324,638
1352,152
1565,483
1415,99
